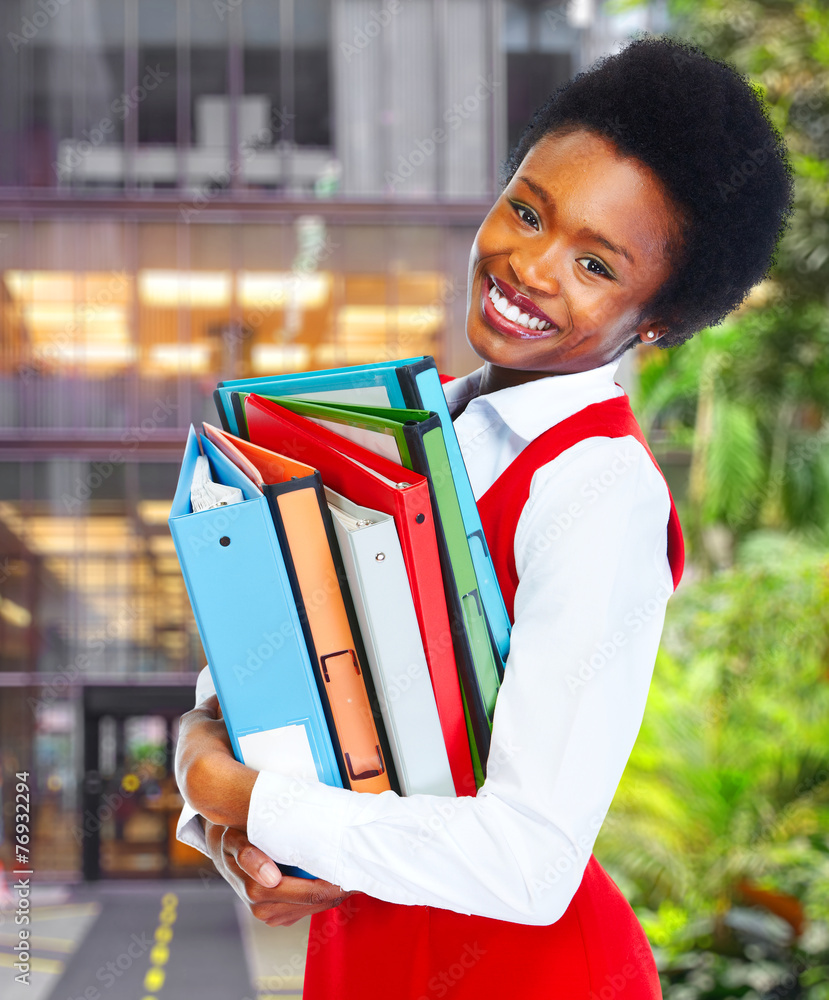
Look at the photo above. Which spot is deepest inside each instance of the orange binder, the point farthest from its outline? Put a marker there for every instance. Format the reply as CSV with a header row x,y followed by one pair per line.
x,y
373,481
312,557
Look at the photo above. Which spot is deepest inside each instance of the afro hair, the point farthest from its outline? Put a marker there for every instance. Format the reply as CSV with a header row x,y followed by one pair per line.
x,y
705,132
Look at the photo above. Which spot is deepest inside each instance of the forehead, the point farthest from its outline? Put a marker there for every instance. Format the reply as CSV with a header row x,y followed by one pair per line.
x,y
589,182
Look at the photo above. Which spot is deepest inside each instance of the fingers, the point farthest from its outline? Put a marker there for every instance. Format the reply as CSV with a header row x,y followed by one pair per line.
x,y
207,709
211,705
250,871
315,893
312,896
256,864
250,859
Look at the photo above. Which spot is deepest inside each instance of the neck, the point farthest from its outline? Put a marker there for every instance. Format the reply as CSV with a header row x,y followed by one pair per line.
x,y
495,378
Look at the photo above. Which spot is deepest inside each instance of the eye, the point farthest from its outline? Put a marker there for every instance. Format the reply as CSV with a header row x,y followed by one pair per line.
x,y
594,266
525,214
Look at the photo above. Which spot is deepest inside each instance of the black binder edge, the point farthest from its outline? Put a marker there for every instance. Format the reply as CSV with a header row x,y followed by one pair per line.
x,y
239,413
407,380
217,399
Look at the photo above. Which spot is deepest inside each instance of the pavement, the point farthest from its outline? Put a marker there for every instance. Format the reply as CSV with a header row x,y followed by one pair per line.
x,y
147,940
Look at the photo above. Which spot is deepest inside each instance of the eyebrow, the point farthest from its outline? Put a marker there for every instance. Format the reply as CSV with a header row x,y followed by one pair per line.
x,y
584,232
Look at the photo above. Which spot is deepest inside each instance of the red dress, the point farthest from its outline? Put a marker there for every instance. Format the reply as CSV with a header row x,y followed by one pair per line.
x,y
368,949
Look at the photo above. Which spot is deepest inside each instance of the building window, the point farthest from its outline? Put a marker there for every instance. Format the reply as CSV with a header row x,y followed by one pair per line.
x,y
541,42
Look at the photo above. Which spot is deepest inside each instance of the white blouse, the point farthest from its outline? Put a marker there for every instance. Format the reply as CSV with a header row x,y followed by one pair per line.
x,y
591,557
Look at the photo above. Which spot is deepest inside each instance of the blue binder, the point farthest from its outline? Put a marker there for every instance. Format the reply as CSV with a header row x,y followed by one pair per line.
x,y
247,619
407,383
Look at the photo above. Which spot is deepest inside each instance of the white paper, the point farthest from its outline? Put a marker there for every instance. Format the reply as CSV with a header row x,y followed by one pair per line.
x,y
379,442
367,395
285,750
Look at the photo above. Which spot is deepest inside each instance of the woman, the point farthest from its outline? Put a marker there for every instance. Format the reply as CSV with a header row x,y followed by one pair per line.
x,y
642,203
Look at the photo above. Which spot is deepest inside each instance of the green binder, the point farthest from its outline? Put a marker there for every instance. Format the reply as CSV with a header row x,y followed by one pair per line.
x,y
414,439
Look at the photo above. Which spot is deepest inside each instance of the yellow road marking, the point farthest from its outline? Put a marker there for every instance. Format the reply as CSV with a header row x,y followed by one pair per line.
x,y
279,983
154,979
50,965
67,910
37,941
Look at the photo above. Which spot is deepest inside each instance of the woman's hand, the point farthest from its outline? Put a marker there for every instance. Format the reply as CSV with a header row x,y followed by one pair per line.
x,y
274,898
210,778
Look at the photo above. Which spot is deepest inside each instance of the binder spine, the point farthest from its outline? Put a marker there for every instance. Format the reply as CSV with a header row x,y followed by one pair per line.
x,y
321,657
421,386
272,493
354,625
476,710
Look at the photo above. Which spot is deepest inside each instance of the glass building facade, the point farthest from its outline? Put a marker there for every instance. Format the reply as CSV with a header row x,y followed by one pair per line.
x,y
192,191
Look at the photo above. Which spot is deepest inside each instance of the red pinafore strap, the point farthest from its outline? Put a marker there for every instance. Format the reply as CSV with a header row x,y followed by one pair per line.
x,y
503,502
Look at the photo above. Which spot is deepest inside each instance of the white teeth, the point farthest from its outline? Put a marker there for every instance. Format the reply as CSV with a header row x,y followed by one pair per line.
x,y
513,313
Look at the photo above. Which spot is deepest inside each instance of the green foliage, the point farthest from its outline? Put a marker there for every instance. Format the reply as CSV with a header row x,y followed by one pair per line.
x,y
749,397
729,779
735,459
728,785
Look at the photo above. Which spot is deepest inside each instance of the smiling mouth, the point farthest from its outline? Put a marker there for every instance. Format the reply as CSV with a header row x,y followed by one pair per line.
x,y
517,309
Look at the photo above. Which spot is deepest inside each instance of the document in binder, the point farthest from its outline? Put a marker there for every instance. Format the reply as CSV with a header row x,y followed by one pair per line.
x,y
372,481
244,608
407,383
379,585
312,558
414,439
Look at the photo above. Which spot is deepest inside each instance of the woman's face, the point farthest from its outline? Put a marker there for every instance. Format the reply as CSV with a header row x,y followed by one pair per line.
x,y
566,259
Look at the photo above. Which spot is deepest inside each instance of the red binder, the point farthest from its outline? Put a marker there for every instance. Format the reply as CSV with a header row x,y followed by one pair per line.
x,y
373,481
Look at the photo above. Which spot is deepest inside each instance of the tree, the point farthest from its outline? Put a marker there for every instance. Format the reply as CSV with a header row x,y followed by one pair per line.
x,y
726,795
755,389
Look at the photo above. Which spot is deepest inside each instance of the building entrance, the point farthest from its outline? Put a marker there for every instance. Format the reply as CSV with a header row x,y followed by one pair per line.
x,y
130,802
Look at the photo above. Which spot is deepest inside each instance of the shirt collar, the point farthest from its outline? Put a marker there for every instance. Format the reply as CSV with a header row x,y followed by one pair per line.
x,y
531,408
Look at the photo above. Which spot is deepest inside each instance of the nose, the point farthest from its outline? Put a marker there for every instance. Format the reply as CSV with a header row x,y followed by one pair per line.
x,y
536,269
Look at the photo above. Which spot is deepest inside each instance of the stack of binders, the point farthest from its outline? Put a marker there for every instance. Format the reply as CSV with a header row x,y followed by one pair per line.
x,y
347,603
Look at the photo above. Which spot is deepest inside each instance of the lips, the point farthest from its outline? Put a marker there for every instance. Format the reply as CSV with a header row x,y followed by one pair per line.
x,y
512,313
524,304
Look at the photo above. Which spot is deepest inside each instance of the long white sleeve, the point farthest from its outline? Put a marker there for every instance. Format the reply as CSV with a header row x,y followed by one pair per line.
x,y
594,579
188,829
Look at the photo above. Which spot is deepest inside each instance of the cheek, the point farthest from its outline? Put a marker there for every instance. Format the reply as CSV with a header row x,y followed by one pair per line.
x,y
607,311
491,237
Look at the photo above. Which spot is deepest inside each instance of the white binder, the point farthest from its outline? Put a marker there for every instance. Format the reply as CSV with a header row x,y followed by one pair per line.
x,y
383,601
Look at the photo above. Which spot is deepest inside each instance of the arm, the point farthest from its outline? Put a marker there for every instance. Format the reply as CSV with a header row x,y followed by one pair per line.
x,y
190,829
594,580
271,897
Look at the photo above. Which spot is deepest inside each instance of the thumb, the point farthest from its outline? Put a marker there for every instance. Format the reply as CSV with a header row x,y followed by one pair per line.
x,y
250,859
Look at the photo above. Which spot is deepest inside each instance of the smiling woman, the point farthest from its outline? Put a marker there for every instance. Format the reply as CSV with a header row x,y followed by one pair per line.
x,y
612,230
585,232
